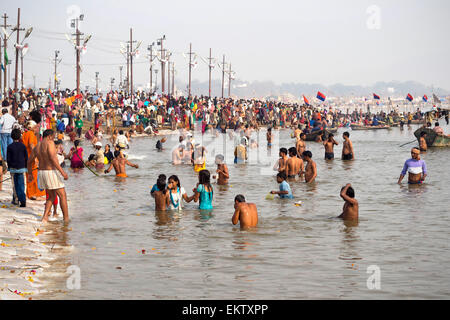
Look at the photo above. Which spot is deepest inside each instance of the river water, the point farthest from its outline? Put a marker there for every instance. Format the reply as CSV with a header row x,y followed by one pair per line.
x,y
296,252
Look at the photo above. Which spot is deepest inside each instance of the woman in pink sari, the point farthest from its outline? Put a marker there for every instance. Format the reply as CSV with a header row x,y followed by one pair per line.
x,y
76,156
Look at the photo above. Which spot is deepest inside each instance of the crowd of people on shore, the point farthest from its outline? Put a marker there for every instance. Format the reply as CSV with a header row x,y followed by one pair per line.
x,y
34,124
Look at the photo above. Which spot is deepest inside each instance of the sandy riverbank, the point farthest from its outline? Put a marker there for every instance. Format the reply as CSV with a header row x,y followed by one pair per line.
x,y
27,248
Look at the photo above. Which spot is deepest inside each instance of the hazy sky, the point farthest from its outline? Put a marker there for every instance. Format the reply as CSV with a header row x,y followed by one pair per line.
x,y
323,41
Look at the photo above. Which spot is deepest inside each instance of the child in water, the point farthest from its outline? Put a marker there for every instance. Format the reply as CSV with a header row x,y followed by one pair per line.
x,y
222,171
155,186
351,207
203,192
161,195
285,188
159,144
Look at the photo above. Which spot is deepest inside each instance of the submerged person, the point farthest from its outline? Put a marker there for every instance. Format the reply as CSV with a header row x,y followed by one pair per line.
x,y
222,170
155,186
76,156
176,193
159,144
199,158
329,146
48,169
423,142
269,137
240,152
311,168
351,207
300,144
203,192
347,149
161,195
285,188
294,165
245,213
416,168
281,164
119,163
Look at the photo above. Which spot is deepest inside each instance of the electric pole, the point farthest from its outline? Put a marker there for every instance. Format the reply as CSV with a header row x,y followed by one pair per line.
x,y
5,46
229,82
131,62
190,68
150,48
78,34
112,83
56,64
120,84
173,78
128,68
163,56
210,69
223,73
17,29
156,79
78,47
96,83
168,72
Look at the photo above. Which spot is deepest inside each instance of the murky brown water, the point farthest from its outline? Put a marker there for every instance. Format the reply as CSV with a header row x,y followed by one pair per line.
x,y
295,253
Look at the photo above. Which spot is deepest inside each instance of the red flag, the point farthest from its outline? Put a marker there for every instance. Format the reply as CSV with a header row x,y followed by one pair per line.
x,y
306,100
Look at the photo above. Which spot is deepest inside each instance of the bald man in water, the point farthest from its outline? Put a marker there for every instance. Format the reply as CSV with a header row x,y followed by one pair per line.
x,y
244,212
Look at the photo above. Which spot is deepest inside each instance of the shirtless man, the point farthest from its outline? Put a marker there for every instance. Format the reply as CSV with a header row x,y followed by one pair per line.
x,y
269,137
329,145
311,169
417,169
294,164
162,196
245,213
280,165
301,145
422,142
347,149
297,132
119,163
45,152
351,208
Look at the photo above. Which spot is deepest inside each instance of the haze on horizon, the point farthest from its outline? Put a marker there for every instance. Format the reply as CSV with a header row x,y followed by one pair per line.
x,y
282,41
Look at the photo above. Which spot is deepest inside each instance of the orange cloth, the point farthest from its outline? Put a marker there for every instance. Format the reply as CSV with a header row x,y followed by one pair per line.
x,y
29,138
122,175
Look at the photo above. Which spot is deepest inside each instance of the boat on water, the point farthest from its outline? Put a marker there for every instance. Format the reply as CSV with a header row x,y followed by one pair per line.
x,y
432,138
313,135
362,127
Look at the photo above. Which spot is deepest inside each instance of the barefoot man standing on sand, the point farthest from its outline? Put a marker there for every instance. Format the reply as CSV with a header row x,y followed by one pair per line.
x,y
45,152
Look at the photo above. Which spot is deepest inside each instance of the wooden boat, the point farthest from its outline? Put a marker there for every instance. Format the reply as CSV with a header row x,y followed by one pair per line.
x,y
432,139
313,135
359,127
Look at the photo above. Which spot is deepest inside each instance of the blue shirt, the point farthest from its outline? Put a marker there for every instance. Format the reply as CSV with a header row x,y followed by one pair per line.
x,y
284,186
155,188
205,198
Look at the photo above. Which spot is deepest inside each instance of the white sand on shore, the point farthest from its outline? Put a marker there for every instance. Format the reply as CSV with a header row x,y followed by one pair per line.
x,y
24,256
